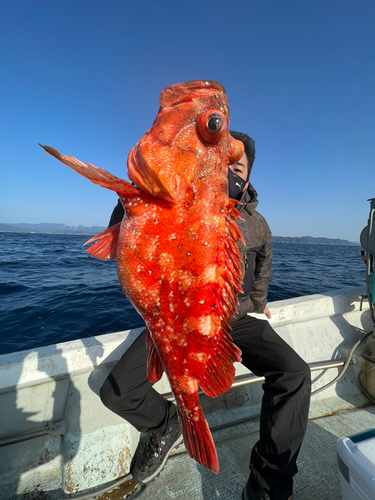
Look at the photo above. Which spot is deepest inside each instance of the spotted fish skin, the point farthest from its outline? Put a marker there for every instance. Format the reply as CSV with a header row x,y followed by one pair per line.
x,y
176,252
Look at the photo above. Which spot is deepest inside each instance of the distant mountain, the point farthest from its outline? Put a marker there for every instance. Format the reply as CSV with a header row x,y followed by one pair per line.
x,y
309,240
46,227
8,228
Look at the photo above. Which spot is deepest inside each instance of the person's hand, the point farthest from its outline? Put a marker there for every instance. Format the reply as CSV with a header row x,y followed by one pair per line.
x,y
267,312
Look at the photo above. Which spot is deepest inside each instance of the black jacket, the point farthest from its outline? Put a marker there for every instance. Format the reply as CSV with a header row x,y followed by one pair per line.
x,y
256,254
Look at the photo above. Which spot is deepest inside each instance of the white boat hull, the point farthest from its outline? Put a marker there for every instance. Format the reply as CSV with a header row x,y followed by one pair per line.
x,y
50,396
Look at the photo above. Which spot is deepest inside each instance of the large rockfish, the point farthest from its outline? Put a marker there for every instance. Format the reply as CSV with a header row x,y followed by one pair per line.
x,y
177,258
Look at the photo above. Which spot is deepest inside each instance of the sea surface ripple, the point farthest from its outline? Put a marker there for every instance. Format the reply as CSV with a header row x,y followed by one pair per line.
x,y
52,291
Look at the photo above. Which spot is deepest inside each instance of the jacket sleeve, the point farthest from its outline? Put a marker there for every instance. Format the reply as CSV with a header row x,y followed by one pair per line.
x,y
263,271
117,214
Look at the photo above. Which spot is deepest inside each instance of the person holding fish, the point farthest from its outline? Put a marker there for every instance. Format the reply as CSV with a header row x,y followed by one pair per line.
x,y
257,341
194,258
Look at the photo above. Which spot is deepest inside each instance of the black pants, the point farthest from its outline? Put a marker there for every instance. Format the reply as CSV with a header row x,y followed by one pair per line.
x,y
285,403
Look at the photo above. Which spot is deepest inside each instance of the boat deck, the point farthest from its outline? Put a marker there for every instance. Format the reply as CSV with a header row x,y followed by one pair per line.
x,y
318,477
57,439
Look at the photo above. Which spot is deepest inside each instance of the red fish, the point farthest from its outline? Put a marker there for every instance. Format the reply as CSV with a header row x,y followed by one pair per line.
x,y
176,252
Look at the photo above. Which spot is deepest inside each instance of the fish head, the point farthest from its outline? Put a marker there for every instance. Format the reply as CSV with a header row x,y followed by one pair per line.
x,y
188,138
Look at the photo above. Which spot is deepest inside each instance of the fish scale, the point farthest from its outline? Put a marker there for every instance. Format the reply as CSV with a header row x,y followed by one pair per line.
x,y
176,252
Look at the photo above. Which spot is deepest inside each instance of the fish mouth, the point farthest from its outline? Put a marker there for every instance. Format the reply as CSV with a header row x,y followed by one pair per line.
x,y
148,169
185,92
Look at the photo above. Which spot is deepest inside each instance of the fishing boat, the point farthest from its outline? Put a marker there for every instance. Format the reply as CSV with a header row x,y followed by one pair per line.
x,y
58,441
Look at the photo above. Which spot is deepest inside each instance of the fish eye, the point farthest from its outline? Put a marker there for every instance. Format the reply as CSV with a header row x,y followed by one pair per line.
x,y
212,125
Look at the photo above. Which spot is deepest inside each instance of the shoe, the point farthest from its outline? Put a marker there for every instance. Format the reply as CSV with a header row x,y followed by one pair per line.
x,y
152,460
249,494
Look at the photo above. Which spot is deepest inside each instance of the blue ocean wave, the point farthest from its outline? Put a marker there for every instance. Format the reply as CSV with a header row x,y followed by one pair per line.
x,y
52,291
11,288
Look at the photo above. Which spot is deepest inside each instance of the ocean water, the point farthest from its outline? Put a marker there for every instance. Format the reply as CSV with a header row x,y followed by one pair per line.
x,y
52,291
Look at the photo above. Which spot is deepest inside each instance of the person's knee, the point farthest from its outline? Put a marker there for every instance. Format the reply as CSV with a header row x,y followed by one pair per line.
x,y
109,392
306,372
304,375
122,400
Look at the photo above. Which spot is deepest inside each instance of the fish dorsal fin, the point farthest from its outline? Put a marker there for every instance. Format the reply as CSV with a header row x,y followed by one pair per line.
x,y
217,375
154,365
105,247
95,174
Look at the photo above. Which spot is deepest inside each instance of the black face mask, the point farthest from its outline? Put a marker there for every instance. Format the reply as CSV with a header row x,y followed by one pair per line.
x,y
235,185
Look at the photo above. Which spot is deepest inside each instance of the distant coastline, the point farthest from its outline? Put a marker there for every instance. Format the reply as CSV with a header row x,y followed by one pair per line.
x,y
48,228
309,240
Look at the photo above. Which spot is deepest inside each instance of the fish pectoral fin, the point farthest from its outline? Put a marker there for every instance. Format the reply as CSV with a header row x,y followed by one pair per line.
x,y
198,439
218,374
155,368
106,246
94,174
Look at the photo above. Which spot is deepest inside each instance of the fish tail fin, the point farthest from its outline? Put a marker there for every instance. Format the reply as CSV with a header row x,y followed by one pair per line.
x,y
106,246
95,174
198,438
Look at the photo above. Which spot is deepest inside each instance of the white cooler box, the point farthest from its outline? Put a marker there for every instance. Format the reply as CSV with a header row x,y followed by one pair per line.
x,y
356,460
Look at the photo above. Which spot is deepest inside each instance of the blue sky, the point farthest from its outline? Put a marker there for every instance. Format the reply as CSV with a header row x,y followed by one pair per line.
x,y
85,77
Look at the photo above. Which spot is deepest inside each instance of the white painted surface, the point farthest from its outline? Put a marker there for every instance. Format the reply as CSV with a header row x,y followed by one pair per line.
x,y
60,383
361,468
